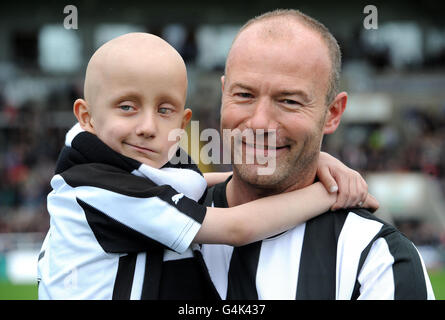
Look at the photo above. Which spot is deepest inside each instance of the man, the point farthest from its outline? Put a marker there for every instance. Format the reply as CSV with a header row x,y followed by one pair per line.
x,y
282,76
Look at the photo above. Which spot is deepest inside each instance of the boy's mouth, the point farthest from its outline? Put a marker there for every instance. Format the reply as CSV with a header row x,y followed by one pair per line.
x,y
140,148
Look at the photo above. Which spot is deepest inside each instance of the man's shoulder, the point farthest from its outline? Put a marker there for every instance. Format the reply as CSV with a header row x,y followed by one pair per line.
x,y
360,227
354,222
216,195
357,213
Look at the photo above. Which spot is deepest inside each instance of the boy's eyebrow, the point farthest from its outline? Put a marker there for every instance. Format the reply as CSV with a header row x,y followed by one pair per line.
x,y
133,95
136,96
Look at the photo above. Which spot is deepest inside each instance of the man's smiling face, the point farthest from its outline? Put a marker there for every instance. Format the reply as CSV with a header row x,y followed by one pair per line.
x,y
279,84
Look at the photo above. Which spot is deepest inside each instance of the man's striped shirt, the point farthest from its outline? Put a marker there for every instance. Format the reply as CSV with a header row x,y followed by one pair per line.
x,y
349,254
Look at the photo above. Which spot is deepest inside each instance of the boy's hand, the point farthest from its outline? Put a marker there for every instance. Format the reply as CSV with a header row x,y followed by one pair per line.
x,y
371,203
352,188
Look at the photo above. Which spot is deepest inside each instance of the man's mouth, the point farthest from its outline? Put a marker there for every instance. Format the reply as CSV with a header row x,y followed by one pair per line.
x,y
265,147
264,150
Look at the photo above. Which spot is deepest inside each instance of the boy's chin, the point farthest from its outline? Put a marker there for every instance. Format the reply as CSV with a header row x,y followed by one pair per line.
x,y
157,164
154,164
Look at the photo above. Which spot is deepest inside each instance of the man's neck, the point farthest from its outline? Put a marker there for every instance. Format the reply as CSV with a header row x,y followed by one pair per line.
x,y
239,192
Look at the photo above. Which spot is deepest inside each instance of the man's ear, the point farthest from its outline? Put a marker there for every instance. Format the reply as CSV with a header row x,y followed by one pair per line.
x,y
186,118
334,113
82,112
222,83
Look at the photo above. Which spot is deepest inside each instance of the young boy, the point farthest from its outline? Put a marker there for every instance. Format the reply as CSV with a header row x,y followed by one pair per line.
x,y
120,211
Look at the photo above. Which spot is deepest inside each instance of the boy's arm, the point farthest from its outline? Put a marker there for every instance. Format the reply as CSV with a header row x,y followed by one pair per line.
x,y
213,178
257,220
264,217
335,176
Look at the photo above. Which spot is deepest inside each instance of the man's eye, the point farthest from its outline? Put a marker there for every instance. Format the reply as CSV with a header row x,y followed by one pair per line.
x,y
244,95
291,103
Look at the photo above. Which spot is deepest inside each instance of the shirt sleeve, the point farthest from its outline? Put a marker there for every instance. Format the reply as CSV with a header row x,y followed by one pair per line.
x,y
394,269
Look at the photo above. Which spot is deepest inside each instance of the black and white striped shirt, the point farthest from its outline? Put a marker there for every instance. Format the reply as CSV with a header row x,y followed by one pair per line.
x,y
343,255
120,229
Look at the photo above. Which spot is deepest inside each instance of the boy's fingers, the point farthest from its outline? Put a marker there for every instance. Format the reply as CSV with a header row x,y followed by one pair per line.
x,y
364,192
363,187
357,191
371,203
361,193
328,181
353,192
352,197
342,196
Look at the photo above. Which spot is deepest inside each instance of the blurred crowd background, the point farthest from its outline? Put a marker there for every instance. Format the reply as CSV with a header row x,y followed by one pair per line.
x,y
393,131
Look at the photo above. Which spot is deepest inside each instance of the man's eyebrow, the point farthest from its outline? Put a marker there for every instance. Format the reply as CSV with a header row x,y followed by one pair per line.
x,y
296,92
240,85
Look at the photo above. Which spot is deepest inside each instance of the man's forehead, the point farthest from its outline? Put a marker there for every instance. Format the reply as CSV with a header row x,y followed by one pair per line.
x,y
302,49
279,31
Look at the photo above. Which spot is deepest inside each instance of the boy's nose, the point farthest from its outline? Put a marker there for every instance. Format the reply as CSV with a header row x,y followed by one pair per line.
x,y
147,126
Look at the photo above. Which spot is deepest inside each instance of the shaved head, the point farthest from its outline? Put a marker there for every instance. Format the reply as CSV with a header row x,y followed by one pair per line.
x,y
132,51
134,97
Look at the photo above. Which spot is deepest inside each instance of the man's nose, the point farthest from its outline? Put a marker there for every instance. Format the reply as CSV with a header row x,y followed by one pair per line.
x,y
147,125
263,116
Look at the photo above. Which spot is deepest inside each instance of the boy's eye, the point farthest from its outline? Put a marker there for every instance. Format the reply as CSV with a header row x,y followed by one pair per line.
x,y
164,110
126,107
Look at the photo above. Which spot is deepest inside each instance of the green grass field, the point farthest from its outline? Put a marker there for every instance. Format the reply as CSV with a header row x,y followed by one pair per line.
x,y
9,291
438,282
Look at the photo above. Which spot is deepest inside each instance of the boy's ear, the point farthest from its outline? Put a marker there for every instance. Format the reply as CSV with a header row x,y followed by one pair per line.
x,y
82,112
334,113
186,117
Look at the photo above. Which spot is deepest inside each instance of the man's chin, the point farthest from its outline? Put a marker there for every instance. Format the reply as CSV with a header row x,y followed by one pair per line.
x,y
259,175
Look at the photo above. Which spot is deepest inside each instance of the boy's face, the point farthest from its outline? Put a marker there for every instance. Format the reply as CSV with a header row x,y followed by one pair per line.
x,y
136,105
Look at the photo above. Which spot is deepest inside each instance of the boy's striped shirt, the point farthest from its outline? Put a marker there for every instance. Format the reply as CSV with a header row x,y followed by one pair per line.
x,y
120,229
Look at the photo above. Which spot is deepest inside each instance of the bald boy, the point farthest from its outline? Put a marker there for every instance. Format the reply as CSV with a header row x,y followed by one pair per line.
x,y
124,218
131,70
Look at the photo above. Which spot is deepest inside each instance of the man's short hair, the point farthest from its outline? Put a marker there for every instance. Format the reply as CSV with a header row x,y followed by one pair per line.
x,y
331,42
